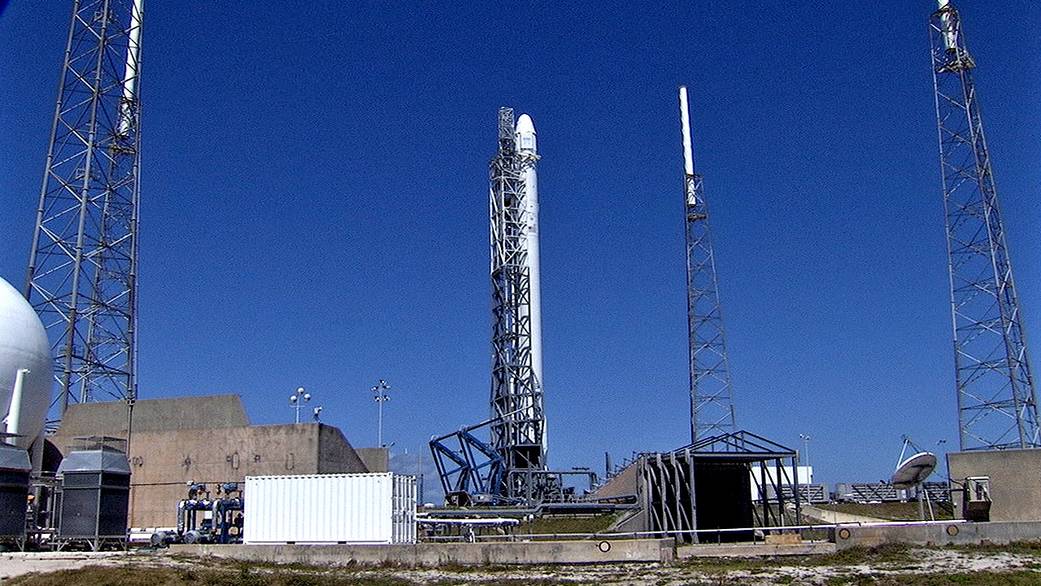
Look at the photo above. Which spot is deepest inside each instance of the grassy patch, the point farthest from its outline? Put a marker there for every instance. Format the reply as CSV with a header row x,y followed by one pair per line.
x,y
217,572
242,575
559,524
889,511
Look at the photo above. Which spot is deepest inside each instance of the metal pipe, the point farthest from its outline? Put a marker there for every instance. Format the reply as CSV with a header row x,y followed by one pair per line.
x,y
14,415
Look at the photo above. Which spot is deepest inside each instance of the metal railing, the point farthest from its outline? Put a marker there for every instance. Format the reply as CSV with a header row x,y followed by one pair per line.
x,y
758,533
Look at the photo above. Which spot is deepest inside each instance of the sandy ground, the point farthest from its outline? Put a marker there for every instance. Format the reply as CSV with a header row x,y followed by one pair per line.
x,y
917,562
16,564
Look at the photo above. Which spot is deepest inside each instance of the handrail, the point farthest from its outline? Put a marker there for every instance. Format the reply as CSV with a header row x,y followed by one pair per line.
x,y
665,534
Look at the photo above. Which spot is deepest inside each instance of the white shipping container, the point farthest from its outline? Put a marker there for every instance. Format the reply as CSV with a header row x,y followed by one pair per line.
x,y
330,508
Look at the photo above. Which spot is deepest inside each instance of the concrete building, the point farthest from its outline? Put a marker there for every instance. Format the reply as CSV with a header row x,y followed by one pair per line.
x,y
1015,481
208,440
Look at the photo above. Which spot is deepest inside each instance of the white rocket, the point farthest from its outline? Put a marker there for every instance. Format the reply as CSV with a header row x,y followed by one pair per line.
x,y
133,67
527,147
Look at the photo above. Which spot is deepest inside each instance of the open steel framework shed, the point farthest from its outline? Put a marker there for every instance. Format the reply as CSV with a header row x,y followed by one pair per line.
x,y
703,491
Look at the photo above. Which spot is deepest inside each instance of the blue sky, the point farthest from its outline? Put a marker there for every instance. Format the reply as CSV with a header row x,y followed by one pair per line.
x,y
315,208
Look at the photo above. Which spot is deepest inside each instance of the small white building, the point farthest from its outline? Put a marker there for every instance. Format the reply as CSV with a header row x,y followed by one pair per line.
x,y
787,478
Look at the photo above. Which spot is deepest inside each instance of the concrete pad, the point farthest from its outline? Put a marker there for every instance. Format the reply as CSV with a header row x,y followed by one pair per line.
x,y
436,554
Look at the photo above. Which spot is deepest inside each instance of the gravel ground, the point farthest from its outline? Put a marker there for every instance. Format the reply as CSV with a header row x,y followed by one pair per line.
x,y
893,566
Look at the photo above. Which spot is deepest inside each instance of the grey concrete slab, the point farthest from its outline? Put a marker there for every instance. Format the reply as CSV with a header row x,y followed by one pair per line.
x,y
436,554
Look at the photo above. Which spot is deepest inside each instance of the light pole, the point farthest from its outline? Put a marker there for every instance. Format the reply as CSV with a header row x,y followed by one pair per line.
x,y
380,394
806,447
297,400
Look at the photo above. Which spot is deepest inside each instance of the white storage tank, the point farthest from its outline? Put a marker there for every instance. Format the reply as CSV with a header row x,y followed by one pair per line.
x,y
330,508
23,345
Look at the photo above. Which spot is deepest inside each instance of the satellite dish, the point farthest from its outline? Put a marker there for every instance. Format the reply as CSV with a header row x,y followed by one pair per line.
x,y
914,470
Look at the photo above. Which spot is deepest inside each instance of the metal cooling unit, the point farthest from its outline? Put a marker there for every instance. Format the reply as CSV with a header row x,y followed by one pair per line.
x,y
14,491
95,485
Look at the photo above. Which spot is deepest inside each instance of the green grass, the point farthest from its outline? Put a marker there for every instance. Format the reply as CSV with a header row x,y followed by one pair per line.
x,y
889,511
561,524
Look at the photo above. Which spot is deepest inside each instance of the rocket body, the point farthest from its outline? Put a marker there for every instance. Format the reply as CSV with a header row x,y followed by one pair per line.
x,y
527,148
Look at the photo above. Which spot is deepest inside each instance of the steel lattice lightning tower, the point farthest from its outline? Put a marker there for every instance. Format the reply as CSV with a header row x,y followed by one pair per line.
x,y
518,429
82,276
711,398
997,404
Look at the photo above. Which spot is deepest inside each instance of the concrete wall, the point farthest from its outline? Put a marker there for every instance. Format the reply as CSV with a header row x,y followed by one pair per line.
x,y
622,484
335,455
751,550
1015,481
376,459
110,417
937,534
203,439
162,463
433,554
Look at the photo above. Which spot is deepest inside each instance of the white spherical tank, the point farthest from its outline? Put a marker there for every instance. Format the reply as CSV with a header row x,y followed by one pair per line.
x,y
23,344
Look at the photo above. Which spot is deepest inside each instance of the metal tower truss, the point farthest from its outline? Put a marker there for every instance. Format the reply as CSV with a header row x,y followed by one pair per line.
x,y
997,404
518,421
83,264
711,400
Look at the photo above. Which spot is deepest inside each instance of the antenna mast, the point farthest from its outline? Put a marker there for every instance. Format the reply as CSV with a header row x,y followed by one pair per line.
x,y
82,275
711,397
997,404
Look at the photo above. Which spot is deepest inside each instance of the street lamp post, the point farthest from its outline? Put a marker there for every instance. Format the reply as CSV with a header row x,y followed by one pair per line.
x,y
297,400
806,446
380,394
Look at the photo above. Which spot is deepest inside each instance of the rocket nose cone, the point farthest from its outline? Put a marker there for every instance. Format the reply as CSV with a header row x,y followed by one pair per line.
x,y
525,125
526,135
